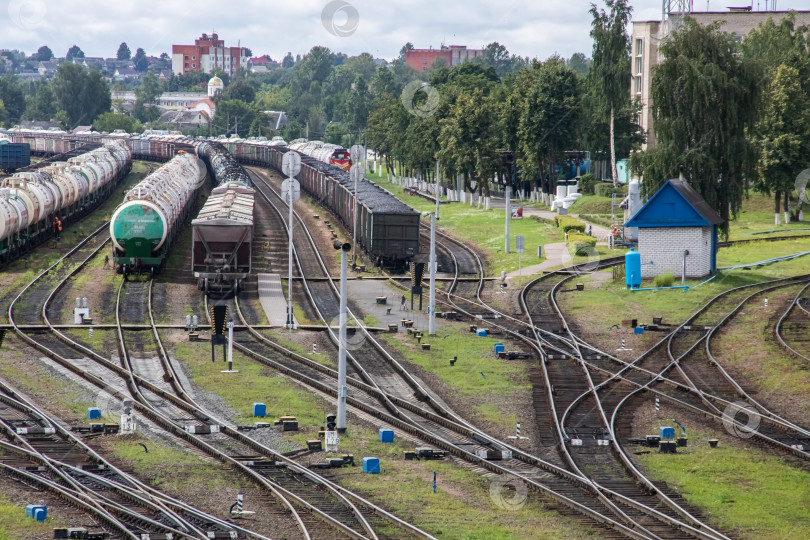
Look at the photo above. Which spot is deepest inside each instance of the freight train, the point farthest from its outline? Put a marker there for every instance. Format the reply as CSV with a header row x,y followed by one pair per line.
x,y
323,152
145,225
222,233
67,187
388,229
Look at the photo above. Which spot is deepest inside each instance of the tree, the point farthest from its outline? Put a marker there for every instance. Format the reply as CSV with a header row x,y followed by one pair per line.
x,y
140,60
80,95
704,98
288,61
580,63
405,48
782,134
123,51
241,90
233,117
776,50
468,139
42,104
149,89
74,52
44,53
110,121
610,71
13,97
548,99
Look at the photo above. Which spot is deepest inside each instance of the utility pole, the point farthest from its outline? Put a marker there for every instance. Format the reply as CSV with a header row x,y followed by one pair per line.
x,y
437,189
508,214
342,391
432,307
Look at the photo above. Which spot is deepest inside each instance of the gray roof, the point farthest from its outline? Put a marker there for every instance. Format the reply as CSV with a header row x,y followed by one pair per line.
x,y
697,202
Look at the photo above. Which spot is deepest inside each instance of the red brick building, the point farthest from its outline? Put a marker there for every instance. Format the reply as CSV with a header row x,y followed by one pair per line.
x,y
208,53
423,59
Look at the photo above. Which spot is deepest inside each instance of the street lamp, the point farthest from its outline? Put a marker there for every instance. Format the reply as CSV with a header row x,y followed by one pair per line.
x,y
341,408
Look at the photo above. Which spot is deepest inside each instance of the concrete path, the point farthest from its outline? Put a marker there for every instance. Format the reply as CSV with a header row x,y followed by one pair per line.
x,y
271,297
601,233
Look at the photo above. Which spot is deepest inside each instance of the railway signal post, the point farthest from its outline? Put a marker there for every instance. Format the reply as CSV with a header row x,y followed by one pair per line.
x,y
432,265
341,405
290,192
358,153
508,214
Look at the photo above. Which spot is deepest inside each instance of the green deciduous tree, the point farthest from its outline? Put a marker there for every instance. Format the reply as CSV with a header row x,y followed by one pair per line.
x,y
782,135
704,98
140,61
233,117
82,95
778,52
13,96
548,100
469,139
123,51
42,105
44,53
74,52
111,121
609,75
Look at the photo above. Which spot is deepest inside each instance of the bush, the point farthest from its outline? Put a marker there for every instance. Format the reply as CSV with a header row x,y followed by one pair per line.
x,y
568,223
587,182
580,244
664,280
606,189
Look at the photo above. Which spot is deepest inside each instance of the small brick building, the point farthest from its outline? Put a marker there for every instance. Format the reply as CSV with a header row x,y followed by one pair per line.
x,y
675,220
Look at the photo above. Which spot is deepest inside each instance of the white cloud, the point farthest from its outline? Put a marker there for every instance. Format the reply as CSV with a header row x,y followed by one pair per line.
x,y
529,28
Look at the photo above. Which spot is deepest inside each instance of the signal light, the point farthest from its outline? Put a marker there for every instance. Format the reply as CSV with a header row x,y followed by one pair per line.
x,y
331,422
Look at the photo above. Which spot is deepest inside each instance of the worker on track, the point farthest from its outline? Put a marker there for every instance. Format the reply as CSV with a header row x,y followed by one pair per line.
x,y
57,227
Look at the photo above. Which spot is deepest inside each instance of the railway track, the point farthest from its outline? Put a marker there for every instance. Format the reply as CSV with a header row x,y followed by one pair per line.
x,y
51,344
792,330
139,387
474,434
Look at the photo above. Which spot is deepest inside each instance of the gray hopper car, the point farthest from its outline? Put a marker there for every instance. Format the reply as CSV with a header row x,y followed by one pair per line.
x,y
221,239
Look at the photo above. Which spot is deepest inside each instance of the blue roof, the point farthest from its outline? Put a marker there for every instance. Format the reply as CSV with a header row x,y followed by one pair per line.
x,y
676,204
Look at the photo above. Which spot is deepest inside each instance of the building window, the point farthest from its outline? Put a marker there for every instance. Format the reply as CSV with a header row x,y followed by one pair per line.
x,y
638,85
639,46
193,57
186,65
193,65
186,58
638,65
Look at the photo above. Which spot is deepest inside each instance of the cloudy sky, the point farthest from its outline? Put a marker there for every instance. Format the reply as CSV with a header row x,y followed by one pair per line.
x,y
535,28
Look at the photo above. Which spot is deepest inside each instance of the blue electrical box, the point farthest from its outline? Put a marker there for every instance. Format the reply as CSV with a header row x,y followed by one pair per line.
x,y
481,332
33,509
259,410
632,268
638,330
386,435
499,348
371,465
666,432
93,413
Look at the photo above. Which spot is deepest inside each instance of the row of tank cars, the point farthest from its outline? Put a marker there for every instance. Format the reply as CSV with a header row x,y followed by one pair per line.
x,y
387,228
68,186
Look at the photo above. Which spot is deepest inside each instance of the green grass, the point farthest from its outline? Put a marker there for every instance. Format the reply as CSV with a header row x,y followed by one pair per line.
x,y
593,204
462,507
253,383
745,489
485,228
605,302
15,525
475,354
